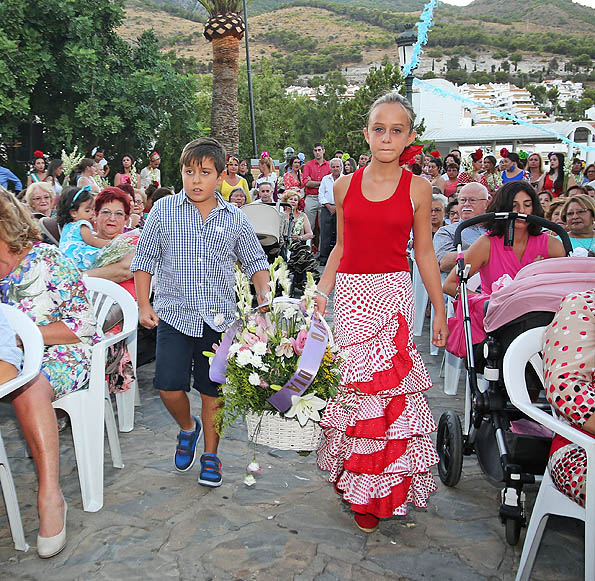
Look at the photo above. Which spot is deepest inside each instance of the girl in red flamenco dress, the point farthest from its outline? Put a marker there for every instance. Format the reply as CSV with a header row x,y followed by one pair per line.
x,y
377,446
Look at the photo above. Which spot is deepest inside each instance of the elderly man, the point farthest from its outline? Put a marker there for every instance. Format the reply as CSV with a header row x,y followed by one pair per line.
x,y
265,193
328,214
473,201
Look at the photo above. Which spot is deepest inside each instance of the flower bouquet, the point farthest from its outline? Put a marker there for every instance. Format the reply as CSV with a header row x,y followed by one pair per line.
x,y
278,368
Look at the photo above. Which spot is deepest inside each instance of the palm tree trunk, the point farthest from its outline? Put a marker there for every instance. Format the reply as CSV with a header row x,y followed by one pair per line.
x,y
224,110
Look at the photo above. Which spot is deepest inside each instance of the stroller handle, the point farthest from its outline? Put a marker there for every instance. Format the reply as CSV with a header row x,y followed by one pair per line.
x,y
510,217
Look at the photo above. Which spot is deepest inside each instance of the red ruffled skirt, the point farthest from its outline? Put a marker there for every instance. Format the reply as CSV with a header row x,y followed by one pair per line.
x,y
377,446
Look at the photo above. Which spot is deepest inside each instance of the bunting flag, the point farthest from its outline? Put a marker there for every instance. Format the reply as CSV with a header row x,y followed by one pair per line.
x,y
423,28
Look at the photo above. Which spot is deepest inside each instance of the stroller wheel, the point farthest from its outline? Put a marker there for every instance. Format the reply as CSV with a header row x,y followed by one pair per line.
x,y
450,448
513,530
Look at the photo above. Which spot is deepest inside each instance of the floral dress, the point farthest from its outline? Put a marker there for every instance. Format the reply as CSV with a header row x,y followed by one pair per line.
x,y
48,288
301,259
74,247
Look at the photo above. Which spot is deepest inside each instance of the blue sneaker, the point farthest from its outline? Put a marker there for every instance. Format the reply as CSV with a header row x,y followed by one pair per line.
x,y
186,450
210,471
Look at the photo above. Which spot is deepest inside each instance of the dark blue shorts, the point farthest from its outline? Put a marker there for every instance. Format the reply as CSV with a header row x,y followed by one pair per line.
x,y
179,356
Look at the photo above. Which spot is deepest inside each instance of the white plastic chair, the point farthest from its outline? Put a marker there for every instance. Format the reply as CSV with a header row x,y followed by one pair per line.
x,y
420,299
32,342
88,408
549,499
126,400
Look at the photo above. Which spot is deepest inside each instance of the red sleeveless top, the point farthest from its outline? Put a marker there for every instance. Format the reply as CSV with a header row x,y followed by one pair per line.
x,y
376,234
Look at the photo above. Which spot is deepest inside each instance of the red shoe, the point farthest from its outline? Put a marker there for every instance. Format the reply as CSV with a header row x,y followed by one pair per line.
x,y
366,522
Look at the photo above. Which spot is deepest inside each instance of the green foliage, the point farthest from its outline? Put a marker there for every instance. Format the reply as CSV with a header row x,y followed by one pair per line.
x,y
349,118
287,40
87,85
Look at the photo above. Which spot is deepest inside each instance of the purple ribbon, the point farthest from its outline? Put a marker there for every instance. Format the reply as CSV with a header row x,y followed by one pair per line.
x,y
307,367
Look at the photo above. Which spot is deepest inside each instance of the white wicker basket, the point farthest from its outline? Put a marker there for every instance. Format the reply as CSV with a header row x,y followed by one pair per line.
x,y
281,433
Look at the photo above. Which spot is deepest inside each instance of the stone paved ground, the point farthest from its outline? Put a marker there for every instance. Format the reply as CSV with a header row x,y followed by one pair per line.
x,y
158,524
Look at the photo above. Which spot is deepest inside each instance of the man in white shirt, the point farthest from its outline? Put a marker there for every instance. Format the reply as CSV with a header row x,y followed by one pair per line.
x,y
328,214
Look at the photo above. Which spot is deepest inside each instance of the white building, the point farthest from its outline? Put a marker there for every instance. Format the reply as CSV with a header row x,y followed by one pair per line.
x,y
503,97
311,92
566,90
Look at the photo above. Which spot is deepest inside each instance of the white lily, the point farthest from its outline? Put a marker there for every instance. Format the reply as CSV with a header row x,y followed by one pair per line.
x,y
254,379
249,480
306,408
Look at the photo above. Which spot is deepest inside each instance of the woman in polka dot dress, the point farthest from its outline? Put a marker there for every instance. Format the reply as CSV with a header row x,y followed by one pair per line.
x,y
569,365
377,446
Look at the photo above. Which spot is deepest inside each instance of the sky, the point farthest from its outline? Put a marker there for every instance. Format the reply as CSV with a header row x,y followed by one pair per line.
x,y
590,3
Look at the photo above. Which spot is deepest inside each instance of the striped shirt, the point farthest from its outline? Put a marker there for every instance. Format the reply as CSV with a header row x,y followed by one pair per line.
x,y
193,261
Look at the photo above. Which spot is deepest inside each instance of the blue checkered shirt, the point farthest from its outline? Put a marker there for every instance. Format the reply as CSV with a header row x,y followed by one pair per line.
x,y
193,261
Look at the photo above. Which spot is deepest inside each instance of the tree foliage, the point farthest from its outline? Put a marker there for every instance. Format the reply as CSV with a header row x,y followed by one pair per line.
x,y
69,70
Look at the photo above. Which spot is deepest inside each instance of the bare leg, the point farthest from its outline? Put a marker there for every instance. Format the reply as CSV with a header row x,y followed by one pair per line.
x,y
210,407
178,406
33,407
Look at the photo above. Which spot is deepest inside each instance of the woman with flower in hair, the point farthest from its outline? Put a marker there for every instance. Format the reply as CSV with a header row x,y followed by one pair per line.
x,y
231,179
473,166
128,169
377,445
151,174
267,173
511,171
37,173
556,181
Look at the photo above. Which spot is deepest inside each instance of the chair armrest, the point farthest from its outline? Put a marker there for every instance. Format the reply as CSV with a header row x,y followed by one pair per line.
x,y
556,425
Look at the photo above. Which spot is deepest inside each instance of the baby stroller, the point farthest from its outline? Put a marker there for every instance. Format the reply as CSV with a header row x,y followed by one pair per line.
x,y
271,227
510,450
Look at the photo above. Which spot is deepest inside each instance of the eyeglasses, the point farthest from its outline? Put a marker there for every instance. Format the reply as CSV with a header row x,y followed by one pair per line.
x,y
471,201
108,213
576,213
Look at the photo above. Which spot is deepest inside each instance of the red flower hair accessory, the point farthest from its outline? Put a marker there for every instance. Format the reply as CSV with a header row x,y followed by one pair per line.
x,y
37,154
504,152
409,153
155,155
478,154
264,155
435,154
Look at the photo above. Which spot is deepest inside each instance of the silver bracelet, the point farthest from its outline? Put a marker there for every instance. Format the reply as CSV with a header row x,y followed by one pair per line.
x,y
322,294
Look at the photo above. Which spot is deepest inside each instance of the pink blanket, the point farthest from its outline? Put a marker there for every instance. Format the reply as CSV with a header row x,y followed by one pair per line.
x,y
539,286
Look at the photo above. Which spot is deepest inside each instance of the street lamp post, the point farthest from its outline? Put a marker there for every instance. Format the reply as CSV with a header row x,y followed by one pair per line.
x,y
405,42
250,92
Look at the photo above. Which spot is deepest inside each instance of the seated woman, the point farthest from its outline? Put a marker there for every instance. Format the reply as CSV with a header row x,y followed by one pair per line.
x,y
490,257
301,259
570,387
44,284
112,212
451,179
232,180
556,180
237,197
40,198
579,215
